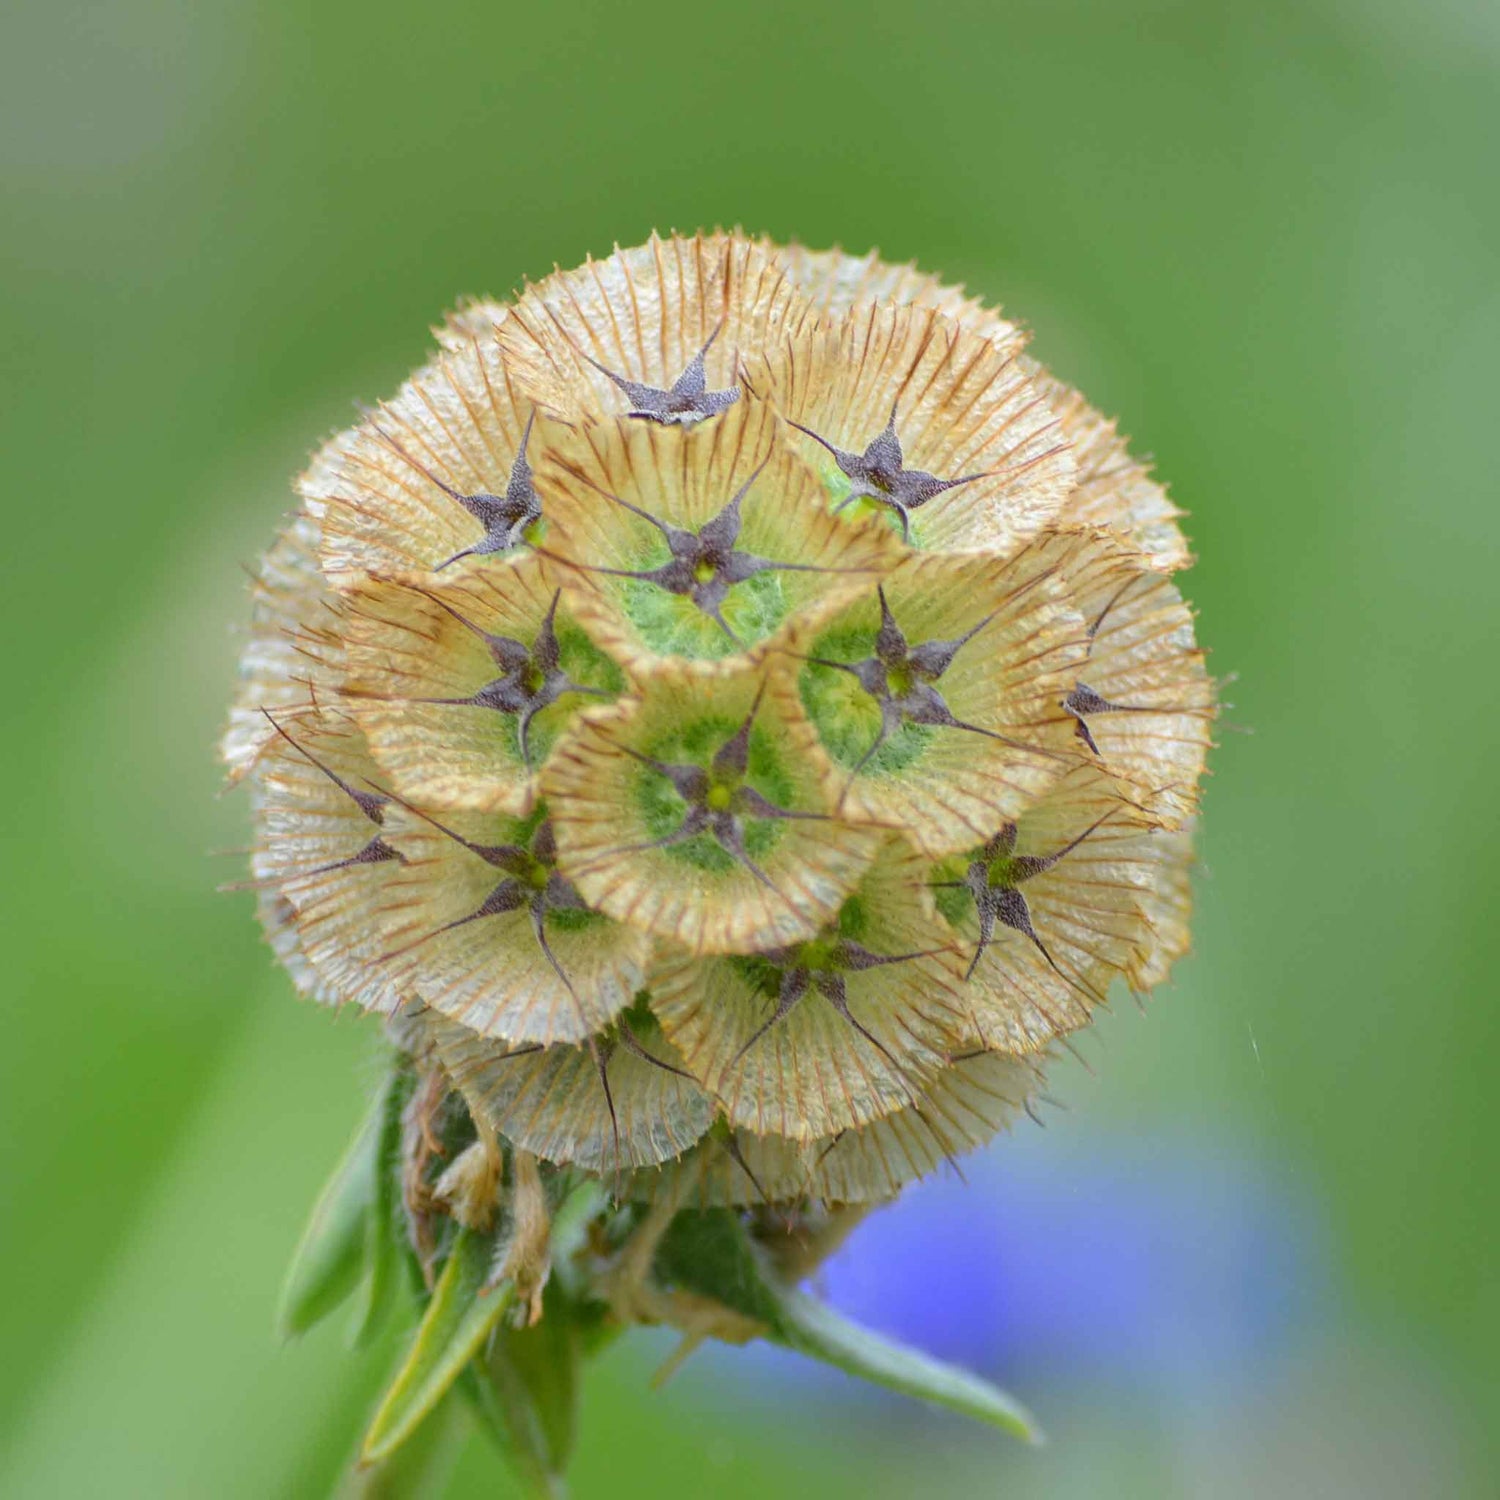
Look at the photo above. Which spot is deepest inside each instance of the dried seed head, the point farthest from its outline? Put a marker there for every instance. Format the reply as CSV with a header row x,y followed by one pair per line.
x,y
732,709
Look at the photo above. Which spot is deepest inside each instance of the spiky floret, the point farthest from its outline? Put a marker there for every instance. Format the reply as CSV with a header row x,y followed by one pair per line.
x,y
699,546
632,1104
932,702
486,927
689,811
967,1104
622,334
1112,488
1143,704
439,473
732,709
462,682
1050,910
327,851
804,1039
910,415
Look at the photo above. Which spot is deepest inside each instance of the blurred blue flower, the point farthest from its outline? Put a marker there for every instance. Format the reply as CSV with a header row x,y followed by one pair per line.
x,y
1159,1261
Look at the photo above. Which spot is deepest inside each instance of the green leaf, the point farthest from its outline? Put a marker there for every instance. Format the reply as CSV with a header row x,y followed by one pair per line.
x,y
459,1317
525,1393
330,1255
711,1253
383,1229
534,1372
420,1468
524,1388
814,1329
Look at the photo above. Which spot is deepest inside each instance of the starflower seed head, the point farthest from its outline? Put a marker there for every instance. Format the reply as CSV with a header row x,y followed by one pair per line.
x,y
732,714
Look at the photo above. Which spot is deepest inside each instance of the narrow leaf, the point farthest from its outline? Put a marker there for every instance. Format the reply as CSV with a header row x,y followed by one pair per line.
x,y
458,1319
710,1252
814,1329
511,1425
382,1249
326,1266
535,1372
421,1468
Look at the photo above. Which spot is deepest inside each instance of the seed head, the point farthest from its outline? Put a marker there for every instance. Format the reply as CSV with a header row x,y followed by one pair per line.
x,y
732,711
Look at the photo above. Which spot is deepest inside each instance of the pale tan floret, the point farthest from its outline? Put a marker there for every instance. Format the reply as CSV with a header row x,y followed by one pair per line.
x,y
1145,664
419,655
327,855
732,1168
613,490
1112,488
294,657
962,407
644,314
703,894
947,786
490,971
384,491
819,1069
553,1102
1085,869
966,1105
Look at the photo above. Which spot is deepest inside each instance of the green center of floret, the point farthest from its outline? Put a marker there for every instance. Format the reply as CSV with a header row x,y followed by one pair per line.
x,y
534,675
893,688
712,793
710,584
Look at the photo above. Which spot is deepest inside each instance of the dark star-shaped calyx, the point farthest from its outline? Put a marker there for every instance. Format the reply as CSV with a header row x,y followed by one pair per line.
x,y
531,676
532,884
505,518
901,678
994,878
820,966
705,563
718,800
686,401
1084,701
880,474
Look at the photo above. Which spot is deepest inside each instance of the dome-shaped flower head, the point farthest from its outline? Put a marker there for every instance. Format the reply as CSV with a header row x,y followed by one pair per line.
x,y
731,712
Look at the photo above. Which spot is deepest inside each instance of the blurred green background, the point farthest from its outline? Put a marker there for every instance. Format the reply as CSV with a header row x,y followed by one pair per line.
x,y
1267,235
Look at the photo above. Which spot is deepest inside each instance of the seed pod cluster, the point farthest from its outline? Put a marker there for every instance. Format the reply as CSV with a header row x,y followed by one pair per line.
x,y
732,710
